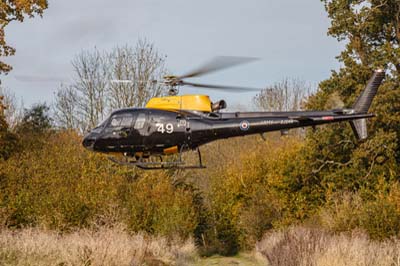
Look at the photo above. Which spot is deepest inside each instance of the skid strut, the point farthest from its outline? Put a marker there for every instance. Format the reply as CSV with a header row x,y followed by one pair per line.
x,y
160,165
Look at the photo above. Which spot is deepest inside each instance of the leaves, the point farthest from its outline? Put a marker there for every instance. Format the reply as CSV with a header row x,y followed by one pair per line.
x,y
16,10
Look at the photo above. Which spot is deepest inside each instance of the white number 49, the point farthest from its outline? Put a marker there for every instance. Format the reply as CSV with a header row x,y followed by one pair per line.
x,y
169,128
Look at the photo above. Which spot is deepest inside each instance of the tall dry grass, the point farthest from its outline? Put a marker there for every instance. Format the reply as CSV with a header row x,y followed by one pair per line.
x,y
106,246
299,246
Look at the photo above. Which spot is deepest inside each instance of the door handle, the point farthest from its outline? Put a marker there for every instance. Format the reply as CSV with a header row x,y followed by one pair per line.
x,y
123,132
126,131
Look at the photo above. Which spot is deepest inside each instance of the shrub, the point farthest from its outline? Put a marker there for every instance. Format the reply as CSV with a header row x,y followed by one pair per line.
x,y
245,198
300,246
62,186
378,217
155,206
105,246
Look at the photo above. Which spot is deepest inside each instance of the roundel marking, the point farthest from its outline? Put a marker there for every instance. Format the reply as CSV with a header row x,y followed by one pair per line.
x,y
244,125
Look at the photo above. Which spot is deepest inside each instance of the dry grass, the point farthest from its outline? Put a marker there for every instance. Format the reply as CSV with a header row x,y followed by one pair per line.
x,y
312,247
106,246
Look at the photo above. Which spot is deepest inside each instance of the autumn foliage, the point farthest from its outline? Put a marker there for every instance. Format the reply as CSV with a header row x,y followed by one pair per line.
x,y
11,10
321,178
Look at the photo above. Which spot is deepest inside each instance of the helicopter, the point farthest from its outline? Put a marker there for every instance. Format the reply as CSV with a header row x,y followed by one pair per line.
x,y
174,124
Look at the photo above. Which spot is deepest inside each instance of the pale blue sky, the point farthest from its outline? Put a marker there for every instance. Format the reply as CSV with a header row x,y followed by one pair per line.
x,y
288,35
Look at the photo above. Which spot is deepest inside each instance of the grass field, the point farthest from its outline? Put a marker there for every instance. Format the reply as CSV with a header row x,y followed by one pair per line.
x,y
106,246
242,259
315,247
296,246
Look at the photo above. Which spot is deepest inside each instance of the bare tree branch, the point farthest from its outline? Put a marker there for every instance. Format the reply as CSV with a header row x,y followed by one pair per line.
x,y
92,95
141,65
287,95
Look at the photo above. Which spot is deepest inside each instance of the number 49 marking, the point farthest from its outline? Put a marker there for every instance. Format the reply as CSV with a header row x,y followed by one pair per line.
x,y
168,128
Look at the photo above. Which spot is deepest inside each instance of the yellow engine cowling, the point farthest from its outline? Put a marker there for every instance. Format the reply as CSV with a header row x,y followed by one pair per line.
x,y
199,103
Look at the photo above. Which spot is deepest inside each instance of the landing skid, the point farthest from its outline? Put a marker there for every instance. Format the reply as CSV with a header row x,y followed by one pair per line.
x,y
150,164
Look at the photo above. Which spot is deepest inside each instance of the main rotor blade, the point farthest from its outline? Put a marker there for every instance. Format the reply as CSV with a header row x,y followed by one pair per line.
x,y
129,81
220,87
27,78
218,63
121,81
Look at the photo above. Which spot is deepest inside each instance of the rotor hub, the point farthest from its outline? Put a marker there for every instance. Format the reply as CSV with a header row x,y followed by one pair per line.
x,y
172,81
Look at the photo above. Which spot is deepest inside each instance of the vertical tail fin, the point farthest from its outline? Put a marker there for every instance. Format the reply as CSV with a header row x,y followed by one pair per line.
x,y
367,95
364,102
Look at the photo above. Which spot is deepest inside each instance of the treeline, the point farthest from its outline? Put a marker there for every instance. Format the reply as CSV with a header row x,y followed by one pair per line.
x,y
250,187
324,179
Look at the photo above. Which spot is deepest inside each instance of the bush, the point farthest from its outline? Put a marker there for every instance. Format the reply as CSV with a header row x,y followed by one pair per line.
x,y
57,186
379,218
245,198
300,246
61,186
105,246
155,206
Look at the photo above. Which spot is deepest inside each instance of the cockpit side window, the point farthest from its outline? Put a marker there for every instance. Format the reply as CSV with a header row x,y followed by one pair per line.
x,y
122,120
126,121
115,121
140,121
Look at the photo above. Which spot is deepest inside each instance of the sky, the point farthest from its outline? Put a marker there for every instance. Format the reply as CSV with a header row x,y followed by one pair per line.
x,y
288,36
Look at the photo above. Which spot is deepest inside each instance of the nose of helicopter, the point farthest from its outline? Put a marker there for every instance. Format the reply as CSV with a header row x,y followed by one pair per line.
x,y
88,141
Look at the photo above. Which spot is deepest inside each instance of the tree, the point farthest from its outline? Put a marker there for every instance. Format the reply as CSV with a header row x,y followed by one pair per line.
x,y
35,127
8,141
140,65
14,111
2,107
287,95
107,81
91,85
66,108
332,159
371,29
36,119
83,104
11,10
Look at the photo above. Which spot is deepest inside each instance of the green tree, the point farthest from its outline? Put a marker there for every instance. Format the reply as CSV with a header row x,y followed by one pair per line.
x,y
12,10
332,160
371,31
35,126
36,119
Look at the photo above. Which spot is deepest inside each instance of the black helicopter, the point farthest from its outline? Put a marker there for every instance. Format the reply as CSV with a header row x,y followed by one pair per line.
x,y
175,124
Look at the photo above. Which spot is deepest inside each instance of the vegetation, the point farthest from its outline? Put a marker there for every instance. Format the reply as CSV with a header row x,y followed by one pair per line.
x,y
106,81
106,246
8,140
323,179
287,95
309,246
16,11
